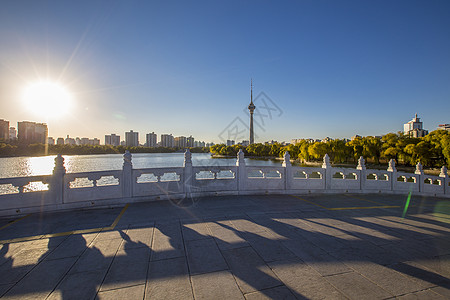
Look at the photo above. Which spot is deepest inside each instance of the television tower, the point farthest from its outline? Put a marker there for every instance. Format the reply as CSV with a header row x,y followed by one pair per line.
x,y
251,108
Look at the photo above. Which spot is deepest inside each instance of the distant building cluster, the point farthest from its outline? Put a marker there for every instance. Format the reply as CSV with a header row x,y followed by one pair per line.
x,y
151,140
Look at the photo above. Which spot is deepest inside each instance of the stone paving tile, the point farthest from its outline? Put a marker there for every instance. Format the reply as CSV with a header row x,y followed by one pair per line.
x,y
226,236
109,234
356,286
132,292
267,246
247,225
76,286
138,238
279,292
167,241
16,267
427,294
439,265
195,231
304,280
392,281
74,245
98,256
217,285
41,280
168,279
128,268
417,270
444,292
204,256
250,271
318,259
5,287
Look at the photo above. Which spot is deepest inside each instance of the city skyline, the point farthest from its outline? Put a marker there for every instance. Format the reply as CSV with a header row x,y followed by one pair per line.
x,y
332,69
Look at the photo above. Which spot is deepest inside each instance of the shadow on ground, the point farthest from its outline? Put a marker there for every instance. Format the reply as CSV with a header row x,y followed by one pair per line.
x,y
280,247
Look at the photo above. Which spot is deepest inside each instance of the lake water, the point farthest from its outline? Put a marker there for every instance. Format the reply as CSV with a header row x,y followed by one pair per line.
x,y
43,165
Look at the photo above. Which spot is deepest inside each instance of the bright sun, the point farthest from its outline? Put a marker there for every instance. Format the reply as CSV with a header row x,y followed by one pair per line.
x,y
47,99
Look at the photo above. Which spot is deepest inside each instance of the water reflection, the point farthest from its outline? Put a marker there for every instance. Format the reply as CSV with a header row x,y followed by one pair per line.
x,y
43,165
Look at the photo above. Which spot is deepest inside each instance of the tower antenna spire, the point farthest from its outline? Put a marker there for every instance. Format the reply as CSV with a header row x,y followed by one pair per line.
x,y
251,90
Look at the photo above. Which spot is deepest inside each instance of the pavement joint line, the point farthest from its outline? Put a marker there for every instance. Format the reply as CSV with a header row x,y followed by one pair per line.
x,y
364,207
310,202
58,234
15,221
346,208
360,198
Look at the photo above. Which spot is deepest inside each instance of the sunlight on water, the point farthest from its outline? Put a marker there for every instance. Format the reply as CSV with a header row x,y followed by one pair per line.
x,y
43,165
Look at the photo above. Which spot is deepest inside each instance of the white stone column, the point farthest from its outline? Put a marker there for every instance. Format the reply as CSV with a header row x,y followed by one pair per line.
x,y
187,165
393,177
287,171
328,171
241,171
362,172
445,179
127,175
57,183
419,171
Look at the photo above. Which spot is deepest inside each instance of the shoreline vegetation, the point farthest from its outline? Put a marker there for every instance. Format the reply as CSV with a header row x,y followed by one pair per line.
x,y
433,151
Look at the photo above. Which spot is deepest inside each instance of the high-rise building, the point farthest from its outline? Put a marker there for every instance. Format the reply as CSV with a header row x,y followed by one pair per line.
x,y
112,139
199,144
132,139
150,140
12,133
70,141
190,141
167,140
60,141
251,108
32,133
4,130
230,142
414,128
180,142
50,140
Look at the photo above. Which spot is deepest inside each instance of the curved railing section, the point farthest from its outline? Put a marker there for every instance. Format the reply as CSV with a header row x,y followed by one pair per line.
x,y
63,190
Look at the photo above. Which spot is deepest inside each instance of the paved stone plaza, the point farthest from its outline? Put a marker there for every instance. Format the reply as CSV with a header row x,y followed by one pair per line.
x,y
233,247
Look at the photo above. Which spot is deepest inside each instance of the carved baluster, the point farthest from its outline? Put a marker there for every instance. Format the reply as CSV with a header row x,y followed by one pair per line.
x,y
287,171
241,170
419,172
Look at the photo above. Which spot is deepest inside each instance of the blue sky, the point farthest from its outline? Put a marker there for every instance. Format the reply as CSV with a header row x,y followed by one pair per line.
x,y
333,68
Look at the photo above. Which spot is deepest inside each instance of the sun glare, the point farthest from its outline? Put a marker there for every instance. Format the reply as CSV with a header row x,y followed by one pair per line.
x,y
47,99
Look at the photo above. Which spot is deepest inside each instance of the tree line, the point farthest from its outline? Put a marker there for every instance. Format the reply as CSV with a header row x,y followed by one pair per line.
x,y
16,149
433,150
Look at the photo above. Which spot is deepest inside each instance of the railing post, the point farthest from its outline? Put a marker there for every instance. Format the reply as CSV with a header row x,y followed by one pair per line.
x,y
127,175
419,171
393,178
327,166
287,171
188,176
445,180
241,170
362,173
57,183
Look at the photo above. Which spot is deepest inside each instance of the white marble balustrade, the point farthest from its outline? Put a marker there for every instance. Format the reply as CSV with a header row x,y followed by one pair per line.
x,y
63,190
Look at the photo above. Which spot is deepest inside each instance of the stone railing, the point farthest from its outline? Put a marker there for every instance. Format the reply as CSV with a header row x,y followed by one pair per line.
x,y
63,190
